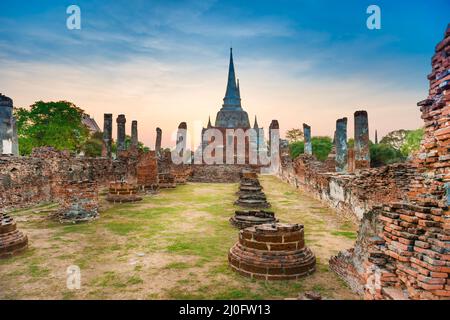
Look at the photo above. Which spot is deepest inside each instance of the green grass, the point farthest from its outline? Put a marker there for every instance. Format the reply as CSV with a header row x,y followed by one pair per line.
x,y
347,234
177,265
185,236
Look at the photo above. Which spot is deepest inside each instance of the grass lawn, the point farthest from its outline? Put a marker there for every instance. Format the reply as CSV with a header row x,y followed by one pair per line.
x,y
172,245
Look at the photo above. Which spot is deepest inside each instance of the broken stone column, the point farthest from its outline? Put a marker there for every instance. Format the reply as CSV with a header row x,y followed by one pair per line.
x,y
362,152
134,134
341,145
6,129
158,140
15,138
307,139
121,120
181,139
107,135
273,133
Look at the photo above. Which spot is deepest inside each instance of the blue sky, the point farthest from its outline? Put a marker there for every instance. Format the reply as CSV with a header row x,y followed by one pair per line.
x,y
163,62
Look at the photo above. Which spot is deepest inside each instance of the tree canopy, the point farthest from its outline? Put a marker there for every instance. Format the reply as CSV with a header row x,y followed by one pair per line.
x,y
321,147
57,124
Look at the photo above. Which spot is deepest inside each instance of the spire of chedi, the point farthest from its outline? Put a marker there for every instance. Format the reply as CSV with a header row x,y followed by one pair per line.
x,y
231,115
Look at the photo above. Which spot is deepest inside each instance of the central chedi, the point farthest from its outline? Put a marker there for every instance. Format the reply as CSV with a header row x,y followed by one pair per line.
x,y
231,115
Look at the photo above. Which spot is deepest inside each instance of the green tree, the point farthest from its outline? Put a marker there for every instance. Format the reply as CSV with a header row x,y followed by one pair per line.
x,y
412,142
94,145
56,124
383,154
141,145
321,147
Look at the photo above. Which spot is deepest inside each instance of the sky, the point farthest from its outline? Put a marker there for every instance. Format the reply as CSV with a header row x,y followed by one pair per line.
x,y
164,62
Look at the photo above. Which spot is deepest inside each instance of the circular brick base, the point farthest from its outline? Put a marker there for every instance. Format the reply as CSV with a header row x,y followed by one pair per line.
x,y
249,218
272,252
121,192
12,241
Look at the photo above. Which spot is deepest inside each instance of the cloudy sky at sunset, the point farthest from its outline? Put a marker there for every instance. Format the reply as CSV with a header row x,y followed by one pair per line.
x,y
163,62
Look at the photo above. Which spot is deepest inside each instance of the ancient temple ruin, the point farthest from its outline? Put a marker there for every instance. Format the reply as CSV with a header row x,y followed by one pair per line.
x,y
402,249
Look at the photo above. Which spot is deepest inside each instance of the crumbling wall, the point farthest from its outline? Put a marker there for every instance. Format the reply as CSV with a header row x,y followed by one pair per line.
x,y
26,181
405,254
219,172
351,194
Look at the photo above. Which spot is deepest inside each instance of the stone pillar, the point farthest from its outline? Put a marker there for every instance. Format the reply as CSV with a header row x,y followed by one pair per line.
x,y
341,145
107,135
6,130
158,140
134,134
121,120
362,151
181,139
273,134
15,138
307,139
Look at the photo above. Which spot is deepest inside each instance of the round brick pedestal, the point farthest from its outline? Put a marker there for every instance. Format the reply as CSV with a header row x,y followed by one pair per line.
x,y
123,192
272,252
12,241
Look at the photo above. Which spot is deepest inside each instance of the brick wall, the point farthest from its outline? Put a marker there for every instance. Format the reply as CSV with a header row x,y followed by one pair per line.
x,y
25,181
351,195
217,173
403,248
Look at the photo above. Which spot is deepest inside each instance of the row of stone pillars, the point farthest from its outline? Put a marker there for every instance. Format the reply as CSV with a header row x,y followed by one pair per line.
x,y
347,160
121,136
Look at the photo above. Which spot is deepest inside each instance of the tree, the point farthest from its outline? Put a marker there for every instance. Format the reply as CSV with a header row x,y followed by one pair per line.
x,y
294,135
383,154
395,139
412,142
94,145
321,147
141,145
55,124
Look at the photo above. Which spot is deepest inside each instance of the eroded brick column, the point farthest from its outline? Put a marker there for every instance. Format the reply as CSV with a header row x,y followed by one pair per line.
x,y
307,138
15,137
362,152
121,120
134,134
6,131
158,140
181,139
341,145
107,135
274,134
